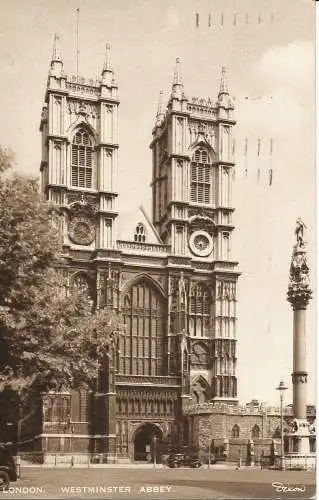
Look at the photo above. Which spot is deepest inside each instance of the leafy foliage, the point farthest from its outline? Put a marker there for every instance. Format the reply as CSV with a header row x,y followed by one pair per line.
x,y
50,335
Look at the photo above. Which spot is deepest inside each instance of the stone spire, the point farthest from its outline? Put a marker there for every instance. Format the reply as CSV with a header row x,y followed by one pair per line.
x,y
177,87
107,61
56,60
223,87
299,291
224,99
177,73
160,110
107,72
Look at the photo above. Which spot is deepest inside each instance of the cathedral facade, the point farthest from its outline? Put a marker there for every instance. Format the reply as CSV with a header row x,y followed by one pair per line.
x,y
172,278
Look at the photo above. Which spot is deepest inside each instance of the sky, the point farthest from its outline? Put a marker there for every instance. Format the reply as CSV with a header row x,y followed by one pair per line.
x,y
268,48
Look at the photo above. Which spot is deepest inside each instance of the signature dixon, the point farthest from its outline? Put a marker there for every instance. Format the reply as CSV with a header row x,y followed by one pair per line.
x,y
287,488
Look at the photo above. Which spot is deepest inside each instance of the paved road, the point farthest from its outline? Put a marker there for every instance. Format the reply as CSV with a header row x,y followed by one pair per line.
x,y
171,484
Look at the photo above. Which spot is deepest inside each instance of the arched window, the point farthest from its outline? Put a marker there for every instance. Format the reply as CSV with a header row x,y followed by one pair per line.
x,y
199,311
48,409
201,177
140,233
82,153
199,391
235,431
57,408
255,432
141,346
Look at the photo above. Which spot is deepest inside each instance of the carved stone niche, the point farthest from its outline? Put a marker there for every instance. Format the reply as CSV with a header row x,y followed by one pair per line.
x,y
201,221
83,199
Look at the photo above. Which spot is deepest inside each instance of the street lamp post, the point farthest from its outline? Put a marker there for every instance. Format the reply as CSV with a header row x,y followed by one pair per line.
x,y
154,451
282,388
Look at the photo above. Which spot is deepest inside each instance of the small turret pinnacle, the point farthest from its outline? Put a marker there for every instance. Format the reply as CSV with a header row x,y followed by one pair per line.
x,y
56,54
224,99
177,87
160,109
107,61
223,88
177,73
56,60
107,72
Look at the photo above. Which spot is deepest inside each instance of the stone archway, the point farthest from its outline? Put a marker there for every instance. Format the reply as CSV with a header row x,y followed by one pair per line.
x,y
144,444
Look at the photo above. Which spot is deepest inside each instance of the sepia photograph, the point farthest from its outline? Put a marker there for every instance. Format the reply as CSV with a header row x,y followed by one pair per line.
x,y
157,249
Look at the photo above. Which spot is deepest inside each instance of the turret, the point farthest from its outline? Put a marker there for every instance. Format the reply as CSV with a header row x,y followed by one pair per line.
x,y
108,79
107,72
177,87
160,110
177,101
224,99
56,60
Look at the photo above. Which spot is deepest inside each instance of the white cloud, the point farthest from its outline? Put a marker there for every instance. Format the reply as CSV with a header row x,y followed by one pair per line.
x,y
290,65
285,77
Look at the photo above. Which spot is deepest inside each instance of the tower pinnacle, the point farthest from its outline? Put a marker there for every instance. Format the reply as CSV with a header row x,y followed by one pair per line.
x,y
56,54
107,72
107,61
56,60
223,87
177,73
160,110
177,87
224,99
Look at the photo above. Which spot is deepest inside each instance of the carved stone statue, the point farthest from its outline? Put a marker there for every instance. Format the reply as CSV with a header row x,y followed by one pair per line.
x,y
299,269
299,292
299,232
184,346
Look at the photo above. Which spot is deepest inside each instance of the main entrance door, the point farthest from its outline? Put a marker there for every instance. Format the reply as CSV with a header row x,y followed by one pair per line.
x,y
146,441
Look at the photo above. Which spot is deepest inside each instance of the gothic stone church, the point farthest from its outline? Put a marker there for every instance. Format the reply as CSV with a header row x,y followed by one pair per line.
x,y
171,275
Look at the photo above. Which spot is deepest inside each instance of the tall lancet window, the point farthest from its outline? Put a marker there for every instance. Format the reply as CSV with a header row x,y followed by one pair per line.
x,y
141,345
199,311
201,177
82,160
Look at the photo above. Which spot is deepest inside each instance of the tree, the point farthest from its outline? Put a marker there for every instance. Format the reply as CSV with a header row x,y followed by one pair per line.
x,y
51,337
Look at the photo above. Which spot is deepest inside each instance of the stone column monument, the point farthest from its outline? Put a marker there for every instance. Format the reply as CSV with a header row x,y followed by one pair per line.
x,y
299,294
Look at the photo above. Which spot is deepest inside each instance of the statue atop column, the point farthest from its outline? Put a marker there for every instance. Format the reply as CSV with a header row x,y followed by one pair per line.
x,y
299,291
298,295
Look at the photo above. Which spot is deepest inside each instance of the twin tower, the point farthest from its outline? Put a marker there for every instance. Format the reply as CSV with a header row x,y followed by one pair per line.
x,y
192,152
173,278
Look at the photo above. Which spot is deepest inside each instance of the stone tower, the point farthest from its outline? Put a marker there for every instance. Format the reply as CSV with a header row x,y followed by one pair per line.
x,y
192,211
80,153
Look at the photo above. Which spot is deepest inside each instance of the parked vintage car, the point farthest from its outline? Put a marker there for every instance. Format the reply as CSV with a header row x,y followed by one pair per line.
x,y
8,469
183,460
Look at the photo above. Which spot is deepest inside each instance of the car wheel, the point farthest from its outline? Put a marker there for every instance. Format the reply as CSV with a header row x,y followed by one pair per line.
x,y
4,480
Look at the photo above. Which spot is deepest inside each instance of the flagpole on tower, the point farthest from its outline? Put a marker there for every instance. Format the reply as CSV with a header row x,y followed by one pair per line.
x,y
77,42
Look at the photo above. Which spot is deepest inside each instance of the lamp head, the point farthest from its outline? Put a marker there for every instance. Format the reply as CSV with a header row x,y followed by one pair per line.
x,y
282,387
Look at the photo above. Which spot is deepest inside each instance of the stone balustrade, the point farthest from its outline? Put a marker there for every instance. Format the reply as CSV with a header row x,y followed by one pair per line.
x,y
144,247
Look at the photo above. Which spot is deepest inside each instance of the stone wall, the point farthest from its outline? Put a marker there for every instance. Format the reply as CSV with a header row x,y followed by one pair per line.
x,y
214,423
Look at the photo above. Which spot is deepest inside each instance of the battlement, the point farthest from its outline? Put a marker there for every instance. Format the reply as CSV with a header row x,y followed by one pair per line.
x,y
261,409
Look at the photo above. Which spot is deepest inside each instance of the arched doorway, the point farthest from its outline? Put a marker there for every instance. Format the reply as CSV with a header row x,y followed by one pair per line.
x,y
146,441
